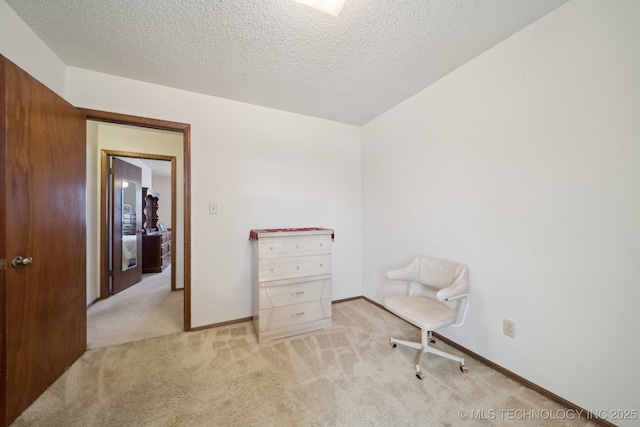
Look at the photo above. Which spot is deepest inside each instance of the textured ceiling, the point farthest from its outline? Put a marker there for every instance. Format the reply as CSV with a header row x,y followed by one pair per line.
x,y
278,53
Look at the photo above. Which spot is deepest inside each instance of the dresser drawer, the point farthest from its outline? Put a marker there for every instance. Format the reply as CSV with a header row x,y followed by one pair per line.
x,y
282,268
287,268
318,264
268,248
320,244
293,246
280,295
165,261
291,315
284,247
287,247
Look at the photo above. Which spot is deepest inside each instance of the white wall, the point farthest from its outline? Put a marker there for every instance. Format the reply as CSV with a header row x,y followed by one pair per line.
x,y
524,164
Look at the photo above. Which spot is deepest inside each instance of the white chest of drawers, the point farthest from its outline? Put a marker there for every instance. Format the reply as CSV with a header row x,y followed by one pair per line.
x,y
291,281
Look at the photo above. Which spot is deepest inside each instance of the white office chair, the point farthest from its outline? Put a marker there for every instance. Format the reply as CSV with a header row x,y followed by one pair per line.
x,y
449,280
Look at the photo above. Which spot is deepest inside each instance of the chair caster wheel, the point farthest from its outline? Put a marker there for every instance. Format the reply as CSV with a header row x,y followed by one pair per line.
x,y
393,345
420,375
463,369
432,341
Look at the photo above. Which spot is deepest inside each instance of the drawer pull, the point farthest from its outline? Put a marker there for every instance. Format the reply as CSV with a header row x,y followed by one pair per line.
x,y
271,270
271,248
297,267
297,293
298,314
320,265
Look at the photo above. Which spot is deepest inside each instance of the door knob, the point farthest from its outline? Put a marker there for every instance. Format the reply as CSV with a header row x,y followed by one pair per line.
x,y
19,261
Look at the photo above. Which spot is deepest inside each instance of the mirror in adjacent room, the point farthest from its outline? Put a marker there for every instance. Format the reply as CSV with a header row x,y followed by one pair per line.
x,y
129,208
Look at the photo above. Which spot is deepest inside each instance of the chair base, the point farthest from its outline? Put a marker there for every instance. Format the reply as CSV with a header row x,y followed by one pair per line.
x,y
424,347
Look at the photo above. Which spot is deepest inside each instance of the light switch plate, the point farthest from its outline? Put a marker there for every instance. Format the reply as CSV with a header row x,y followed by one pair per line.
x,y
213,209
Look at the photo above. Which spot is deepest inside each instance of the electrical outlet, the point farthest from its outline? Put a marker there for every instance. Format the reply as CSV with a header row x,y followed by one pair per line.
x,y
213,208
509,328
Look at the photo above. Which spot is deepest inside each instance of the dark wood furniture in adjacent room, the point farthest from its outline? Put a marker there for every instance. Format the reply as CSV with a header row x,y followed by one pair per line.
x,y
150,198
156,252
156,244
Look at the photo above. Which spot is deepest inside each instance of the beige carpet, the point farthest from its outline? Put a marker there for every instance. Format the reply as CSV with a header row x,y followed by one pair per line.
x,y
148,309
347,375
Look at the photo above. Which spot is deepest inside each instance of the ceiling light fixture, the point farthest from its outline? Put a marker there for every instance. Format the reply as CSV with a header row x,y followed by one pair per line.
x,y
332,7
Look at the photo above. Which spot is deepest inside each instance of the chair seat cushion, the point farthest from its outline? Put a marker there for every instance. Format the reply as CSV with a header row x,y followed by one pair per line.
x,y
425,313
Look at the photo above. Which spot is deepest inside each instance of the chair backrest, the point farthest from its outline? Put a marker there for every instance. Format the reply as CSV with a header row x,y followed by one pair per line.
x,y
436,273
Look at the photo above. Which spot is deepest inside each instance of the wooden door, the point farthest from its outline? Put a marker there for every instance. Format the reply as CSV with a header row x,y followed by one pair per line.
x,y
126,237
42,220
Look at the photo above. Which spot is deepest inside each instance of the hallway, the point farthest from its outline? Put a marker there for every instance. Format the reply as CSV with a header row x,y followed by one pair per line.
x,y
146,310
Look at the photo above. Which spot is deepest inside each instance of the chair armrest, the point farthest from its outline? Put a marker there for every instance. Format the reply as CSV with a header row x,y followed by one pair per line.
x,y
461,312
408,273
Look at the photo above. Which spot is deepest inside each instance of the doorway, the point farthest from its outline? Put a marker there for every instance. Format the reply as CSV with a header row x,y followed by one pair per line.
x,y
134,307
180,201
